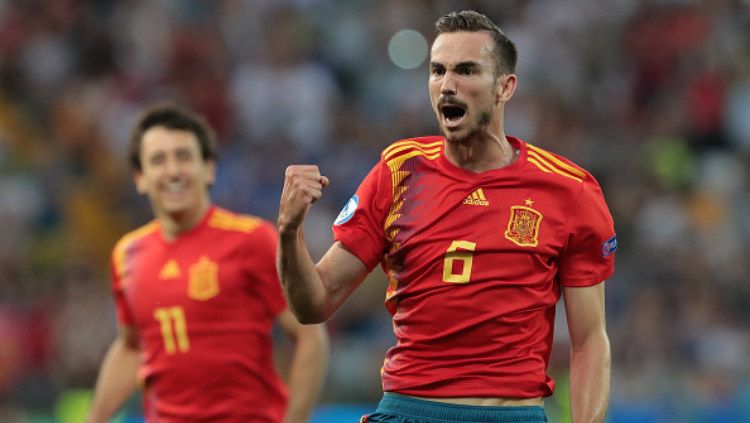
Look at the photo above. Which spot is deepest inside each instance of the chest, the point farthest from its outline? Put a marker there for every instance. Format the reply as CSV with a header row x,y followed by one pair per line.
x,y
498,216
199,277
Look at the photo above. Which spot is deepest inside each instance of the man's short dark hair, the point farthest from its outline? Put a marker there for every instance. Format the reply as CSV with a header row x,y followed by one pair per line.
x,y
505,53
172,116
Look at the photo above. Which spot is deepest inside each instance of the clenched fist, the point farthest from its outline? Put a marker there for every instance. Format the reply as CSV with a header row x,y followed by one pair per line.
x,y
303,185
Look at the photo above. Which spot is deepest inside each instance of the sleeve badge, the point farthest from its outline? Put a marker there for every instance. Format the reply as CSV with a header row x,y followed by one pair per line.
x,y
609,246
348,211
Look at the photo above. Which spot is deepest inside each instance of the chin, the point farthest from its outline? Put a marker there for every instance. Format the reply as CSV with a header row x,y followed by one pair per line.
x,y
456,137
465,135
176,208
452,138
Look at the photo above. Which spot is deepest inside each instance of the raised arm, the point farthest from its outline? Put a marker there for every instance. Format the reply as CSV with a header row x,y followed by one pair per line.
x,y
590,353
314,291
117,377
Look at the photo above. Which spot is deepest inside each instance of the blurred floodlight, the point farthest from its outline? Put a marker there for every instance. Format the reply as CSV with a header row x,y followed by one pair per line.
x,y
407,49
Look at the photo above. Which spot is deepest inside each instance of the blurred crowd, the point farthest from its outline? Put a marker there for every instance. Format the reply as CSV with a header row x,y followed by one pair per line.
x,y
653,97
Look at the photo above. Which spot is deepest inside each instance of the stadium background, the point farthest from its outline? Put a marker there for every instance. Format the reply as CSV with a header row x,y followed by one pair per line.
x,y
652,96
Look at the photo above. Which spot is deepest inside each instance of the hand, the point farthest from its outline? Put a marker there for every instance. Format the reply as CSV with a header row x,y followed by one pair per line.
x,y
303,185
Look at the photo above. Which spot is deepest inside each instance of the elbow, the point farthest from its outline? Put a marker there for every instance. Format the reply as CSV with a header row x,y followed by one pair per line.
x,y
306,309
597,342
310,318
307,314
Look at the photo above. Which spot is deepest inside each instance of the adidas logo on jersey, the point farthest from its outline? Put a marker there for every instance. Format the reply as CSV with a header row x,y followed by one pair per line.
x,y
476,198
171,270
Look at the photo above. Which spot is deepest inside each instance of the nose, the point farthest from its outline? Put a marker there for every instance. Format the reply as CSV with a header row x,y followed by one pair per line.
x,y
448,85
172,166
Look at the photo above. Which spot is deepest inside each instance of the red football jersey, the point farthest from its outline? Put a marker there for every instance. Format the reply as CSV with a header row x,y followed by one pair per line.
x,y
475,263
204,306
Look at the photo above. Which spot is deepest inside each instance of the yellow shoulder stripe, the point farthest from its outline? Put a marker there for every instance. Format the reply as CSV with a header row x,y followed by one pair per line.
x,y
406,144
397,150
394,157
547,167
122,245
559,163
233,222
539,165
395,163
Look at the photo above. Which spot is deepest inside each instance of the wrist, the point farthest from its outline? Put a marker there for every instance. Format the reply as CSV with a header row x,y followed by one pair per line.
x,y
288,231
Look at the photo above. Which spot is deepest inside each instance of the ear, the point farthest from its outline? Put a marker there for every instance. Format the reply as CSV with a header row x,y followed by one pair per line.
x,y
209,169
140,183
505,88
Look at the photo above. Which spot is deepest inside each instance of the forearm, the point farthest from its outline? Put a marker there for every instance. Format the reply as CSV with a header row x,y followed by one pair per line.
x,y
116,381
307,373
302,283
590,379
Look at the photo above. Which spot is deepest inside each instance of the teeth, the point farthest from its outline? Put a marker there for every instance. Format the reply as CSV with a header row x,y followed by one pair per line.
x,y
453,118
175,186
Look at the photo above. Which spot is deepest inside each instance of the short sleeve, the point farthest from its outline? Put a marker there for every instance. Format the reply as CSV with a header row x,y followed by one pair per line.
x,y
359,226
124,316
589,256
262,251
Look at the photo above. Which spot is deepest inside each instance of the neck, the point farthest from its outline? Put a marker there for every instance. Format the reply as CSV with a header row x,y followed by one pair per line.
x,y
481,152
174,224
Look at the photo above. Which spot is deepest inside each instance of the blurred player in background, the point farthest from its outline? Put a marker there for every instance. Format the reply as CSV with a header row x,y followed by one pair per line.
x,y
479,234
197,295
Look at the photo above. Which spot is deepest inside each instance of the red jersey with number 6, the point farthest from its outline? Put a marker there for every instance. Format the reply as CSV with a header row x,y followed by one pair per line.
x,y
475,263
203,306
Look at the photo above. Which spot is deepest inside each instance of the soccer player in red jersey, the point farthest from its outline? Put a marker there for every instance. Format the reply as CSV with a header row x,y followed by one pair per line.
x,y
479,234
197,296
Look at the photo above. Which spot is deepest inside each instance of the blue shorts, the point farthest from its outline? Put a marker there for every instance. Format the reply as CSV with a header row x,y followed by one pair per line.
x,y
395,408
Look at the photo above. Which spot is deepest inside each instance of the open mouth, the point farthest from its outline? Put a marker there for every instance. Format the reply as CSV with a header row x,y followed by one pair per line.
x,y
174,190
453,113
175,187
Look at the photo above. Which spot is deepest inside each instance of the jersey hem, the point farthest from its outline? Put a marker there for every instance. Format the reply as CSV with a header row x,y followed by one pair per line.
x,y
357,252
587,280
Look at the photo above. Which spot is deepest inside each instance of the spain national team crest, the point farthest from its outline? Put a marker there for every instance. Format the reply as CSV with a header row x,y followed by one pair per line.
x,y
523,226
204,280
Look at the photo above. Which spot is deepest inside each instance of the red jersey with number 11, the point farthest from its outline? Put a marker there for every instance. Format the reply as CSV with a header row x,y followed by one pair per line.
x,y
203,306
475,263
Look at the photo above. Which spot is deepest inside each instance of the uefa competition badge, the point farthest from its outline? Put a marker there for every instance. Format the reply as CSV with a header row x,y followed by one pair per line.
x,y
609,246
348,211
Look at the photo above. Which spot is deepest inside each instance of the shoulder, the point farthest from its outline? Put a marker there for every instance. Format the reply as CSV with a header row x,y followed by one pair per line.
x,y
229,221
248,234
130,239
428,147
571,182
136,235
555,167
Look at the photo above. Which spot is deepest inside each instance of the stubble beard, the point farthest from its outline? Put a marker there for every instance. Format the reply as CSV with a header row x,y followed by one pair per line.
x,y
474,132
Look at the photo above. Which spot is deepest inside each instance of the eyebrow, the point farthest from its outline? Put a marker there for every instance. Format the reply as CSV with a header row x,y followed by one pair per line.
x,y
467,64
